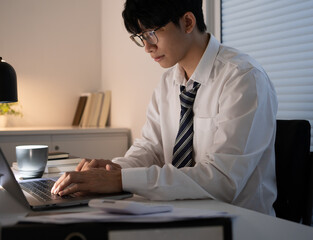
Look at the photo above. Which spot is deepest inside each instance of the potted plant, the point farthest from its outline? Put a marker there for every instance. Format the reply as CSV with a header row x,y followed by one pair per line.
x,y
7,109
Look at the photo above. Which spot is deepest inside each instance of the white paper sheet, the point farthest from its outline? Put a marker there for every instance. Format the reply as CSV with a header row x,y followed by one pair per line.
x,y
101,216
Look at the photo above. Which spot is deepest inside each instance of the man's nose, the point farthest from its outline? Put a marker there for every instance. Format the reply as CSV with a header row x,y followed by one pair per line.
x,y
149,47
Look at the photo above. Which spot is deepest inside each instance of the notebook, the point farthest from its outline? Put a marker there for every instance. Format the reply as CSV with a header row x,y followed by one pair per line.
x,y
35,193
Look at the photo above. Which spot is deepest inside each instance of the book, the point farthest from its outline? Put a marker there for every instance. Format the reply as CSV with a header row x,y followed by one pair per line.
x,y
79,110
95,109
57,155
92,109
85,116
64,161
91,105
105,109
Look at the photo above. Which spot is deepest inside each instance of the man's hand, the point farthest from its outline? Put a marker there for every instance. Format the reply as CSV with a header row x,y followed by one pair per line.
x,y
91,176
87,164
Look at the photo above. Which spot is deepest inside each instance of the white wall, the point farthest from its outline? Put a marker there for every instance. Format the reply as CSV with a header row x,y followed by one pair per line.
x,y
61,49
127,70
55,48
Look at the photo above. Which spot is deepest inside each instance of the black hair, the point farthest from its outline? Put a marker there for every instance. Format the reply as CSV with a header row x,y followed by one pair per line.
x,y
157,13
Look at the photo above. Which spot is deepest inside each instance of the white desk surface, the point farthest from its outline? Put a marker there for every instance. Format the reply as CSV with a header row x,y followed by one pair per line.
x,y
246,226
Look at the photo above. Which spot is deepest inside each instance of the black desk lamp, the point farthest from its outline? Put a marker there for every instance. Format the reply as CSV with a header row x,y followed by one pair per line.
x,y
8,85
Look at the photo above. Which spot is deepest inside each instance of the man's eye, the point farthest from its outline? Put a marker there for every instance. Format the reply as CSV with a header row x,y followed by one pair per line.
x,y
148,34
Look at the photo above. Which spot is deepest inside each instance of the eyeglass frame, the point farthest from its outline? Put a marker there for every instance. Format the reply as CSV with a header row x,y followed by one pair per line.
x,y
152,32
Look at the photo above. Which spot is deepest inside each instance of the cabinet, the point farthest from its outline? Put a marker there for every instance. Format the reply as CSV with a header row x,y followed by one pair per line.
x,y
105,143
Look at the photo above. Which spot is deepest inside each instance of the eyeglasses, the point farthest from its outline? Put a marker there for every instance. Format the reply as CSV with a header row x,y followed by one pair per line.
x,y
148,36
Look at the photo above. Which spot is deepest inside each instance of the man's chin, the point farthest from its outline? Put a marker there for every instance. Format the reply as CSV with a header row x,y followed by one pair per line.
x,y
164,64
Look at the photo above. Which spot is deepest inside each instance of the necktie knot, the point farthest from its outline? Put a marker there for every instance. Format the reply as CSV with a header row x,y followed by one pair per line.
x,y
187,98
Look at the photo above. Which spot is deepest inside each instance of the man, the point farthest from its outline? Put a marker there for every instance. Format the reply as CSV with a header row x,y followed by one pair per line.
x,y
219,144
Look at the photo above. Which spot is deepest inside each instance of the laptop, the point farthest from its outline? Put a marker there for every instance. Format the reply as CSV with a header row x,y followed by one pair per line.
x,y
35,193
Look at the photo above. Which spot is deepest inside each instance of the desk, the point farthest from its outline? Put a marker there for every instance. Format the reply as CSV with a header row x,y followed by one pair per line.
x,y
246,226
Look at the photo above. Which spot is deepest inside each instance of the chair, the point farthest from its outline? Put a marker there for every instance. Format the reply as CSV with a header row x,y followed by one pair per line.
x,y
294,171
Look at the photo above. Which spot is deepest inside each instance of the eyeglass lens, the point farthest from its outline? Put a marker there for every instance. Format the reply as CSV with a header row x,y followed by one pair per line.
x,y
137,40
149,36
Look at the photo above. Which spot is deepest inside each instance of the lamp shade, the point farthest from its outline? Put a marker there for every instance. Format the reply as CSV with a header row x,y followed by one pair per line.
x,y
8,84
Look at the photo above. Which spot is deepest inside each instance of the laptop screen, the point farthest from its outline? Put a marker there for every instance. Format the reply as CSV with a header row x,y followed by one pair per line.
x,y
9,183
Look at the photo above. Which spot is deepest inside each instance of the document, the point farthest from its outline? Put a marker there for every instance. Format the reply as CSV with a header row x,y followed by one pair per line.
x,y
101,216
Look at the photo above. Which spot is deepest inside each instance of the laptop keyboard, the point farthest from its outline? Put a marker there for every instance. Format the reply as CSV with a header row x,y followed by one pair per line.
x,y
41,189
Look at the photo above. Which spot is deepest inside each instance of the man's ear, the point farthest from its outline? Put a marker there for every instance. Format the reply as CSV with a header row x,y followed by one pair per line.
x,y
188,22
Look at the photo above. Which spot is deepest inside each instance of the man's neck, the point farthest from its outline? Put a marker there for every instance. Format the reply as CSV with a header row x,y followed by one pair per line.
x,y
195,53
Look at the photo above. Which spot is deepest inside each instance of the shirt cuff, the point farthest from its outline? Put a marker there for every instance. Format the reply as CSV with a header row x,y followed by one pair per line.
x,y
122,161
134,179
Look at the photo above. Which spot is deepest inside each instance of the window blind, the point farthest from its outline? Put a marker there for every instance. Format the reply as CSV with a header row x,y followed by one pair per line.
x,y
279,35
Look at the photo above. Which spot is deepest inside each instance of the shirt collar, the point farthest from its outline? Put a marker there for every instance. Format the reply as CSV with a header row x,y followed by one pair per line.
x,y
204,67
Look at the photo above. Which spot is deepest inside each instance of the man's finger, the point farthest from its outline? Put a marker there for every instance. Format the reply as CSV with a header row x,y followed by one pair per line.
x,y
91,164
70,189
70,177
75,188
81,164
56,184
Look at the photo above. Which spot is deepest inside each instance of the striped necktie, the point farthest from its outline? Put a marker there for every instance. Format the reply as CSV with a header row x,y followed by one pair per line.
x,y
182,153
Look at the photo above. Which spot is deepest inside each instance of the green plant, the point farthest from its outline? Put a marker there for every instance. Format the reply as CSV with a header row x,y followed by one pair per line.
x,y
8,109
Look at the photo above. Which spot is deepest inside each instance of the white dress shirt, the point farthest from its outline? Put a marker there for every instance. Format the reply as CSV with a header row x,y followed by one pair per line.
x,y
234,134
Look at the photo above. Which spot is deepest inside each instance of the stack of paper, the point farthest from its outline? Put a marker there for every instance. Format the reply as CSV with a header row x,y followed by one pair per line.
x,y
58,165
62,165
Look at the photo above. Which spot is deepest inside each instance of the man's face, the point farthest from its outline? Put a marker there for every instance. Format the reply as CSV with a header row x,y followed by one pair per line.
x,y
171,48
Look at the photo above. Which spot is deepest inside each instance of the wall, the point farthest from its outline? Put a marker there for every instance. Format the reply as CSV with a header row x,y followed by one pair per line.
x,y
55,49
127,70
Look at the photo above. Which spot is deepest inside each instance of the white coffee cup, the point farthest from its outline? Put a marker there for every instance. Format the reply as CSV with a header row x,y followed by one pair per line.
x,y
31,160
